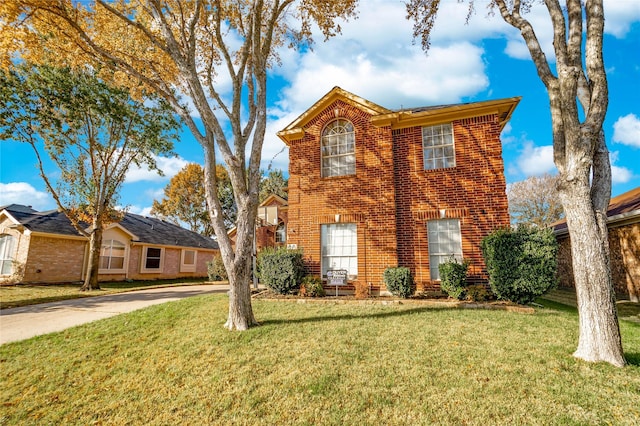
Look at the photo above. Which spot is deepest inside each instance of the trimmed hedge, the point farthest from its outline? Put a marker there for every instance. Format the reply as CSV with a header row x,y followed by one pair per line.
x,y
281,269
453,277
398,281
521,263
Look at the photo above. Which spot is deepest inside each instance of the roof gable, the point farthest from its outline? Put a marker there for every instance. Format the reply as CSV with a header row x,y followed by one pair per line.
x,y
295,130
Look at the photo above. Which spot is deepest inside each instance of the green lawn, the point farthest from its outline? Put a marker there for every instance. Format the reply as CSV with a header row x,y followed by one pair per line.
x,y
22,295
318,364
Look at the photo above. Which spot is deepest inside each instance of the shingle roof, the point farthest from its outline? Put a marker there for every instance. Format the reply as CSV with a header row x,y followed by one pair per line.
x,y
621,207
148,230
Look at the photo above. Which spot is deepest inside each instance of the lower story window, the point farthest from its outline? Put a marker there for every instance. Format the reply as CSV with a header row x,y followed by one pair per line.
x,y
188,261
281,233
152,260
112,255
7,249
445,242
340,248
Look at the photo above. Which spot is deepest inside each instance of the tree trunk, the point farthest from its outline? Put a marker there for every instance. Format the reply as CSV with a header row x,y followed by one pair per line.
x,y
599,333
240,309
93,263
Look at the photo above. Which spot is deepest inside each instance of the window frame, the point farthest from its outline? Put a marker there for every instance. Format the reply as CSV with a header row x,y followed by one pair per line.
x,y
145,257
7,253
110,270
435,252
188,267
442,161
280,234
353,256
340,157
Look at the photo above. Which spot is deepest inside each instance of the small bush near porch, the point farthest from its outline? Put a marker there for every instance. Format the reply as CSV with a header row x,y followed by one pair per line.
x,y
318,364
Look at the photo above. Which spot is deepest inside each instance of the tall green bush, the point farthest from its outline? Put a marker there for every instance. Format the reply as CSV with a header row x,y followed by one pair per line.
x,y
281,269
398,281
521,263
453,277
216,270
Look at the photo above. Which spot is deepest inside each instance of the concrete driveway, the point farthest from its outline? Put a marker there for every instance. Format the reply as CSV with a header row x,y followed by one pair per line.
x,y
28,321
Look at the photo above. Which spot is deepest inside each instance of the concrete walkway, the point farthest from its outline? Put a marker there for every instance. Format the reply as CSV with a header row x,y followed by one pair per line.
x,y
28,321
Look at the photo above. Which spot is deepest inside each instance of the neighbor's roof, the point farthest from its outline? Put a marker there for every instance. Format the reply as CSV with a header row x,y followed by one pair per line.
x,y
148,230
622,209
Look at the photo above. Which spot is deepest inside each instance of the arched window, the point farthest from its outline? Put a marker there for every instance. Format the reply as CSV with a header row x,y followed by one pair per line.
x,y
338,149
281,233
7,252
112,255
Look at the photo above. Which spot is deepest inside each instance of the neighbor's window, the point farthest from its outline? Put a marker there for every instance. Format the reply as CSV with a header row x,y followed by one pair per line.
x,y
438,148
188,261
112,255
338,149
340,247
445,241
281,233
152,261
7,249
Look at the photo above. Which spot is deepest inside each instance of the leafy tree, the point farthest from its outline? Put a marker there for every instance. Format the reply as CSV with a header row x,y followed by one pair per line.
x,y
192,48
578,100
534,201
93,132
185,202
273,183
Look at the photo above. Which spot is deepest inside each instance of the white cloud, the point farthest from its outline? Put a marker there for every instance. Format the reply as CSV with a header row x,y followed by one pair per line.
x,y
619,174
626,130
536,160
619,16
169,166
25,194
142,211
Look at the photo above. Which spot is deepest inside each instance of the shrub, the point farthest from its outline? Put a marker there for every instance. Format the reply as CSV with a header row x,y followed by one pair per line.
x,y
216,270
312,287
521,263
281,269
453,277
398,281
476,293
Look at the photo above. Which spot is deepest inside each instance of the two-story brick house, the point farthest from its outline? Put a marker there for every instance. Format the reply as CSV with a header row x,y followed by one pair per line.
x,y
371,188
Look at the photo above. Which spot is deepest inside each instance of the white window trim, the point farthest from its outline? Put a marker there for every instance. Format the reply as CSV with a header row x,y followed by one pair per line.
x,y
188,267
143,268
281,231
443,146
342,155
8,254
125,262
323,257
456,255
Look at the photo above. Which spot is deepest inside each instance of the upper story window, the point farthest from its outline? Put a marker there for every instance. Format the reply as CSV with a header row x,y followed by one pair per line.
x,y
7,249
338,149
438,148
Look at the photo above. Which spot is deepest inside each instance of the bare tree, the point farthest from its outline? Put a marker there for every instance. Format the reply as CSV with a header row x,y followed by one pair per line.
x,y
189,47
534,201
578,100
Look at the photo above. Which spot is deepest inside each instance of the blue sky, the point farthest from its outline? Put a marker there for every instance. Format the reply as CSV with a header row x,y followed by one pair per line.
x,y
375,58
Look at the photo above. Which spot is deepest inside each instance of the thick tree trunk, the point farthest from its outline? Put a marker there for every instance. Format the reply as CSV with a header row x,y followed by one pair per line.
x,y
599,338
93,263
240,309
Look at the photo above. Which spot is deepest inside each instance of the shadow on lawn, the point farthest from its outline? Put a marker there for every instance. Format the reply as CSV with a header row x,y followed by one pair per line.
x,y
325,318
633,358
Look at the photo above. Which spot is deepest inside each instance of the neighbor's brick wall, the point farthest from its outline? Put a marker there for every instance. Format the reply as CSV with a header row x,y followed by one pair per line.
x,y
366,198
54,260
20,255
171,265
474,191
624,243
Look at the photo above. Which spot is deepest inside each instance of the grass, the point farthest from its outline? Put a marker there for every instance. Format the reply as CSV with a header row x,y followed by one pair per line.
x,y
314,364
22,295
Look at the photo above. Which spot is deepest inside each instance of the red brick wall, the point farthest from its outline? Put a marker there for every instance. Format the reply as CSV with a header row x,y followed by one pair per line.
x,y
474,191
391,197
366,198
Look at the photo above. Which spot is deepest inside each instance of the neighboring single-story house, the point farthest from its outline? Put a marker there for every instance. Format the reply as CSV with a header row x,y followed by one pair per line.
x,y
623,221
44,247
271,225
371,188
